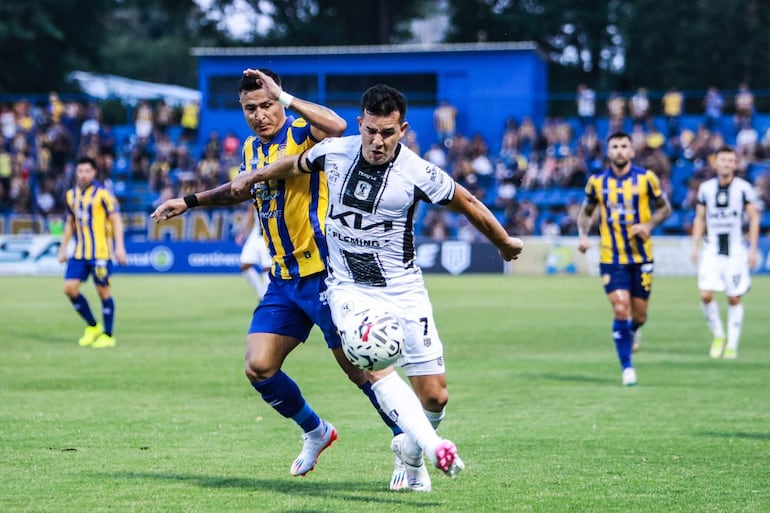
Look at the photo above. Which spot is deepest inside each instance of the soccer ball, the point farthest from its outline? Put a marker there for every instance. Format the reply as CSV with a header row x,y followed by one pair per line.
x,y
375,343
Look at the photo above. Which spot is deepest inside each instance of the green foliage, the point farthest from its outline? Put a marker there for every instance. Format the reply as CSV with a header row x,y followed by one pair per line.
x,y
338,22
167,422
41,41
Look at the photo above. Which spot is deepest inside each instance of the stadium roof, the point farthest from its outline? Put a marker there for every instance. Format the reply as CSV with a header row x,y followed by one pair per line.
x,y
337,50
105,86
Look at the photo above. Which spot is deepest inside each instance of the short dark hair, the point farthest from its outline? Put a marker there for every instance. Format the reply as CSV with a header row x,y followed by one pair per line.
x,y
381,100
618,135
88,160
250,82
725,148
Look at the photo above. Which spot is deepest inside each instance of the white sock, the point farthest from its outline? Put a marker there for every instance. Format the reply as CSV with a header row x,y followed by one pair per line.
x,y
711,313
400,403
435,417
257,281
734,325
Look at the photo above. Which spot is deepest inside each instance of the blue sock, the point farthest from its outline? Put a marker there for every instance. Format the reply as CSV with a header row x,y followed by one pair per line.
x,y
366,388
108,313
621,334
283,394
634,326
81,306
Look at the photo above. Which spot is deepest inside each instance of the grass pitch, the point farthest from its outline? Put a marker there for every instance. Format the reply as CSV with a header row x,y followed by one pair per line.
x,y
166,422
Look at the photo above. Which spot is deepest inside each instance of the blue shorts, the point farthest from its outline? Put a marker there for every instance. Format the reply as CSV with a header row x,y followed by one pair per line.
x,y
636,278
291,307
81,269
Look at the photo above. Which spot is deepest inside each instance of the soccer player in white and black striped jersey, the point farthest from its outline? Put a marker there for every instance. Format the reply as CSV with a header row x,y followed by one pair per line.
x,y
725,261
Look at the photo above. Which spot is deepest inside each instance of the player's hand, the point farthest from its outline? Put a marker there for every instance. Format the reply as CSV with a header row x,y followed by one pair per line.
x,y
241,184
120,256
641,230
694,256
583,244
62,255
168,209
511,248
752,259
272,89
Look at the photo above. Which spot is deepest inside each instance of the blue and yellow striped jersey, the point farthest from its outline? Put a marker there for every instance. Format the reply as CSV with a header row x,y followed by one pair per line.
x,y
292,212
91,210
623,202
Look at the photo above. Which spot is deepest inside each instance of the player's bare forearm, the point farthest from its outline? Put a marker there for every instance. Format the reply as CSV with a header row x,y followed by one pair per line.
x,y
281,169
662,211
323,121
584,218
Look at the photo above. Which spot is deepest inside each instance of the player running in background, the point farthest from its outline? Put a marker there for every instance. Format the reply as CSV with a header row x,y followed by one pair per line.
x,y
631,204
292,214
375,184
93,218
256,260
725,264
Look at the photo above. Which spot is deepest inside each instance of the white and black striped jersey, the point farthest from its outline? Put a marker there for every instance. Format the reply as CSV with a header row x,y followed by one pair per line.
x,y
370,222
724,214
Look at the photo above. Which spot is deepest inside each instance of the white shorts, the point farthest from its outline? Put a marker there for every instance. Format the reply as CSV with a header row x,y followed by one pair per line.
x,y
422,353
255,252
728,274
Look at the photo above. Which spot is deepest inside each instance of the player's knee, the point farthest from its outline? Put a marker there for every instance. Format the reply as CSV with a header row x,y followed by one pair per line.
x,y
71,290
436,400
621,310
258,369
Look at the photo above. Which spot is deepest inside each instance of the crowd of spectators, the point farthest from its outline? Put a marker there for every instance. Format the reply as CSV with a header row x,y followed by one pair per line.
x,y
532,179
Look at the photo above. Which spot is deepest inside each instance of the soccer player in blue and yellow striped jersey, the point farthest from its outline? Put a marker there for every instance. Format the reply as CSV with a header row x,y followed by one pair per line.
x,y
292,213
631,204
93,219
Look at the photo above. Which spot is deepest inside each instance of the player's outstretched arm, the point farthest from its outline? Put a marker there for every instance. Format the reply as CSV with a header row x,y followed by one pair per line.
x,y
484,220
222,195
283,168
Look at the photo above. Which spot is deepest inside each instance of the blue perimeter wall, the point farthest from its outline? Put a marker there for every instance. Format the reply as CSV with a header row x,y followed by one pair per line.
x,y
507,80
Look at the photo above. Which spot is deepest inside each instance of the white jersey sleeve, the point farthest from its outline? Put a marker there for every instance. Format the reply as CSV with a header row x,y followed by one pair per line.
x,y
370,222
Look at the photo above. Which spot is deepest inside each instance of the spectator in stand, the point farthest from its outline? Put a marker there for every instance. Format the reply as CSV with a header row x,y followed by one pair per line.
x,y
713,104
144,121
586,105
527,135
746,142
616,111
164,116
744,107
437,156
190,121
672,110
509,145
445,122
639,108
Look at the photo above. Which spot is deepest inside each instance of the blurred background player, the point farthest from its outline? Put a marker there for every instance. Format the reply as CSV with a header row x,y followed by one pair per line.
x,y
255,257
93,218
725,264
292,213
631,204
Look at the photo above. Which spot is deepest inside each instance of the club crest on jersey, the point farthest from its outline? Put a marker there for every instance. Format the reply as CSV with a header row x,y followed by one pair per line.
x,y
363,189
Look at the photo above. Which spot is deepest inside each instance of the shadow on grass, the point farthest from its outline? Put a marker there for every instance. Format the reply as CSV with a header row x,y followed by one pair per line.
x,y
360,491
571,378
734,434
